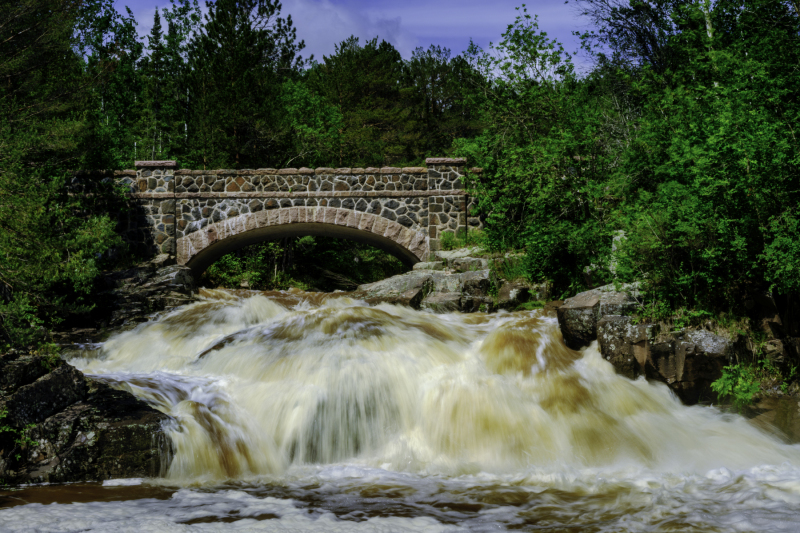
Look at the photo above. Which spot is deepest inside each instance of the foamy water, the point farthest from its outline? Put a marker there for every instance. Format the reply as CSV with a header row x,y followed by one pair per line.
x,y
304,413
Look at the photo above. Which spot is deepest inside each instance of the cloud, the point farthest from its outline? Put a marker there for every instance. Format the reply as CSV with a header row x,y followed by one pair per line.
x,y
322,24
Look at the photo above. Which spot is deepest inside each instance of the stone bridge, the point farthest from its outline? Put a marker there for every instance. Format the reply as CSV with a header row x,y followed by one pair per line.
x,y
199,215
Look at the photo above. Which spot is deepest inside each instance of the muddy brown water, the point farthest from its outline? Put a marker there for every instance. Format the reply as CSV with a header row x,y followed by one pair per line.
x,y
296,412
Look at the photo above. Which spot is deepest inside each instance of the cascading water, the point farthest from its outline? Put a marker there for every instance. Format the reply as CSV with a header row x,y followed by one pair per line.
x,y
302,412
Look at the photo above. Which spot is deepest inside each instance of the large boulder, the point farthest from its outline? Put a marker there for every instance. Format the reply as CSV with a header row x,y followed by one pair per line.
x,y
443,302
406,289
578,316
130,297
625,344
688,361
60,426
468,264
430,265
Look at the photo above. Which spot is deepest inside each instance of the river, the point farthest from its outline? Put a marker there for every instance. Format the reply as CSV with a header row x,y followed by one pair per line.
x,y
302,412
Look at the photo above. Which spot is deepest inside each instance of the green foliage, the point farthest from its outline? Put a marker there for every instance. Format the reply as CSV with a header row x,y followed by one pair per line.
x,y
530,306
738,382
50,354
449,241
511,268
19,437
237,61
743,382
542,159
452,241
308,263
52,245
716,165
683,137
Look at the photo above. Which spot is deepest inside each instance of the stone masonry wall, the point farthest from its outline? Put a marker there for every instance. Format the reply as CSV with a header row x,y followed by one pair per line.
x,y
173,204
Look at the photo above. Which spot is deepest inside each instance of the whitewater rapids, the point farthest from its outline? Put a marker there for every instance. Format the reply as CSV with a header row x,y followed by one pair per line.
x,y
295,412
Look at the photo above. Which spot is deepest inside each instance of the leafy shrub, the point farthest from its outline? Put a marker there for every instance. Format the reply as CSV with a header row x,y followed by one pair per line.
x,y
738,382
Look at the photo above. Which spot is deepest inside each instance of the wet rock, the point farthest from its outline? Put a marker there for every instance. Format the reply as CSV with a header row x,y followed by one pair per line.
x,y
687,361
17,369
131,296
450,255
579,315
447,302
65,427
512,294
476,284
406,289
477,304
778,416
49,394
624,344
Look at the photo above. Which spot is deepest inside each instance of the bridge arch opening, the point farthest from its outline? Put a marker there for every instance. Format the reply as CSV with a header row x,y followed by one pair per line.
x,y
200,249
209,255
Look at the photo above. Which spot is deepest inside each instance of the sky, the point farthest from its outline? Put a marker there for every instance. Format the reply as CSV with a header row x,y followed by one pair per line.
x,y
406,24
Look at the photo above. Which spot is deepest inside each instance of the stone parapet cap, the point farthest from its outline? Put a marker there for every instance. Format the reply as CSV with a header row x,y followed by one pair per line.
x,y
155,164
445,161
304,170
476,170
302,194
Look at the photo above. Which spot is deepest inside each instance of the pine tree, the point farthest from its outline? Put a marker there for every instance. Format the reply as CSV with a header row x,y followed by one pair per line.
x,y
364,84
150,144
237,61
443,90
51,243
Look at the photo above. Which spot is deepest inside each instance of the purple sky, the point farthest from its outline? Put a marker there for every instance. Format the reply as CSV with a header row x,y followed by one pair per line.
x,y
407,23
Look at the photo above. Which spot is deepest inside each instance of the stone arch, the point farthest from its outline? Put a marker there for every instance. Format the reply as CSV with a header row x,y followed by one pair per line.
x,y
199,249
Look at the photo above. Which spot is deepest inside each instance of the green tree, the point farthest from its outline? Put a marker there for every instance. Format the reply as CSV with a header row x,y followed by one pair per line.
x,y
237,61
163,106
444,98
716,167
363,83
545,154
51,244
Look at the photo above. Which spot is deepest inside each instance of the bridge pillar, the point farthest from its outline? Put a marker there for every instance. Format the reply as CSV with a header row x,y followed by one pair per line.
x,y
151,226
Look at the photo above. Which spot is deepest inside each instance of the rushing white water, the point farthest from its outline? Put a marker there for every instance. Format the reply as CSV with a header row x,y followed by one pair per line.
x,y
324,414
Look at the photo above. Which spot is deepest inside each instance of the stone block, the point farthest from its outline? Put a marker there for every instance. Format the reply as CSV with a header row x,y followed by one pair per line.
x,y
330,215
353,218
393,231
366,222
380,225
405,237
624,344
